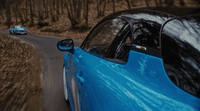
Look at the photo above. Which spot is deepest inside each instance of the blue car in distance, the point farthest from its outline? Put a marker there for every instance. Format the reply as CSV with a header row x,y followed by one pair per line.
x,y
135,60
18,30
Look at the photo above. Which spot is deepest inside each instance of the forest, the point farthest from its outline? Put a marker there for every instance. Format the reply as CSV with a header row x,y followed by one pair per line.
x,y
49,15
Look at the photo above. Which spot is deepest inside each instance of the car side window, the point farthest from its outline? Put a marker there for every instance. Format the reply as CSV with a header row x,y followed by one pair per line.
x,y
100,40
146,37
146,34
180,53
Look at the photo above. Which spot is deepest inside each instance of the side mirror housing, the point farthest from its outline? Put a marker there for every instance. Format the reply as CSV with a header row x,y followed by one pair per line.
x,y
66,45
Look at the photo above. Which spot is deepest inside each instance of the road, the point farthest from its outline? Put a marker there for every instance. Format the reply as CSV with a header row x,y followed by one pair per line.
x,y
52,62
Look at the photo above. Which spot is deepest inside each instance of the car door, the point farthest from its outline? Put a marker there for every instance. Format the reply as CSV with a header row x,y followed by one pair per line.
x,y
82,63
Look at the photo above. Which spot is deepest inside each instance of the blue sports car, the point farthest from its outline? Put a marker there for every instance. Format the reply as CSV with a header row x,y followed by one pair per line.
x,y
18,30
135,60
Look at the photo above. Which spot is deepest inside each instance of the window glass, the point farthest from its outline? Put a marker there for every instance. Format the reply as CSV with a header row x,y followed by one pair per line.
x,y
180,49
146,33
100,39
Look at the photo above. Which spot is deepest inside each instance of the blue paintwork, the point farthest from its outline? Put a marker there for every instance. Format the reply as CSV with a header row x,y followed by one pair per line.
x,y
18,30
62,48
140,84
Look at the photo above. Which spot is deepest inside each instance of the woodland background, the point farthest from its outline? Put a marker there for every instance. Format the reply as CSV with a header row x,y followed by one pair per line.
x,y
74,18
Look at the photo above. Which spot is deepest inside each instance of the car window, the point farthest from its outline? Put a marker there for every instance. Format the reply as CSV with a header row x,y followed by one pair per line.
x,y
146,37
146,34
180,52
105,38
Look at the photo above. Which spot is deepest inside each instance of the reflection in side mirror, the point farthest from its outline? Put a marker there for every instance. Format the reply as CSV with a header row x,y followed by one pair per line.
x,y
66,45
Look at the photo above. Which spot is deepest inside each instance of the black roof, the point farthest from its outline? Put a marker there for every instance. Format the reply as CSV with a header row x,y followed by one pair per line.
x,y
144,14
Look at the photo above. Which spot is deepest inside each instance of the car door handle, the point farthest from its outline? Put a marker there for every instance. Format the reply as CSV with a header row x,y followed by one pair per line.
x,y
80,78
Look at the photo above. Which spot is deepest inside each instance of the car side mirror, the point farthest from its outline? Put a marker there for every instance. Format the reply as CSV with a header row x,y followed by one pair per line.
x,y
66,45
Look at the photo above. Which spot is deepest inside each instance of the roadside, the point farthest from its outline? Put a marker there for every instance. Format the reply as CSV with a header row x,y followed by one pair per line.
x,y
20,81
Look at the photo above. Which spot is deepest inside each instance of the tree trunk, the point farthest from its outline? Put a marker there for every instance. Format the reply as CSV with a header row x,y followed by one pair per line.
x,y
113,6
98,8
86,12
104,7
169,2
26,11
160,3
156,3
182,3
62,5
128,4
57,8
31,12
8,13
101,4
16,10
147,3
40,16
74,11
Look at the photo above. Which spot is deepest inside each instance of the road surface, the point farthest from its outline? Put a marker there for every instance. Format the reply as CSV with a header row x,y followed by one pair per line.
x,y
52,62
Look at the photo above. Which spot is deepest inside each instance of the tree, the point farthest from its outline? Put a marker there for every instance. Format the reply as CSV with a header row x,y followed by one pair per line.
x,y
128,4
8,13
101,5
86,8
147,3
31,12
113,6
74,11
169,2
182,3
158,3
40,13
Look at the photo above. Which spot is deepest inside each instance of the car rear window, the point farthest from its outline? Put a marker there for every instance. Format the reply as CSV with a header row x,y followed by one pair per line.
x,y
180,48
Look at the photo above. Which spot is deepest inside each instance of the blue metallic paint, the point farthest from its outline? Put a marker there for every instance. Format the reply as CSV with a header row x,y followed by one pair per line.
x,y
141,84
15,30
63,48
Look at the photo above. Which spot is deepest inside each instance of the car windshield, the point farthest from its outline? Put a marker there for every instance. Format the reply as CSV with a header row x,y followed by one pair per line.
x,y
180,48
18,27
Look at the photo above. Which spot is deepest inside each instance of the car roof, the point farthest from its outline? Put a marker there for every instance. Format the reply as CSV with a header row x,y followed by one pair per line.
x,y
145,14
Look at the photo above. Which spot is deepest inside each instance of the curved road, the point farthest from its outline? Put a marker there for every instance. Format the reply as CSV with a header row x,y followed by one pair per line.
x,y
52,62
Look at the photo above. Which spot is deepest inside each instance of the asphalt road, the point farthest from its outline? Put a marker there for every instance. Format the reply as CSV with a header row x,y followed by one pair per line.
x,y
52,63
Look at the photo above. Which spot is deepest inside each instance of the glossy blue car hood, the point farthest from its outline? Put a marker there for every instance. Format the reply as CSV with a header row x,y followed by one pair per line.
x,y
141,84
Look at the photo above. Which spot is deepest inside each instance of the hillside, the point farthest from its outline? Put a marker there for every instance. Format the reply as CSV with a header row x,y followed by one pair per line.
x,y
20,82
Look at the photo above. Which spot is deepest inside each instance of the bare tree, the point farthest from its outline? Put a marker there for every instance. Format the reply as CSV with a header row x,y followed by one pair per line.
x,y
62,6
101,4
86,8
31,12
169,2
15,9
113,6
40,13
57,7
160,3
20,15
8,13
74,11
128,4
26,10
147,3
182,3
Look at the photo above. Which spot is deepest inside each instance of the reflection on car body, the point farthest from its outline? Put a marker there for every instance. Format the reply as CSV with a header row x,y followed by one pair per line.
x,y
135,60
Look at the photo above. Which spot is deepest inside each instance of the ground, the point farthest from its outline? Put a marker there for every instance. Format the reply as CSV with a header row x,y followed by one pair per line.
x,y
20,81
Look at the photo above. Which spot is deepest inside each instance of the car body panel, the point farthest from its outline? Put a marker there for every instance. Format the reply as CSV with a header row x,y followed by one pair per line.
x,y
98,84
18,30
143,85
